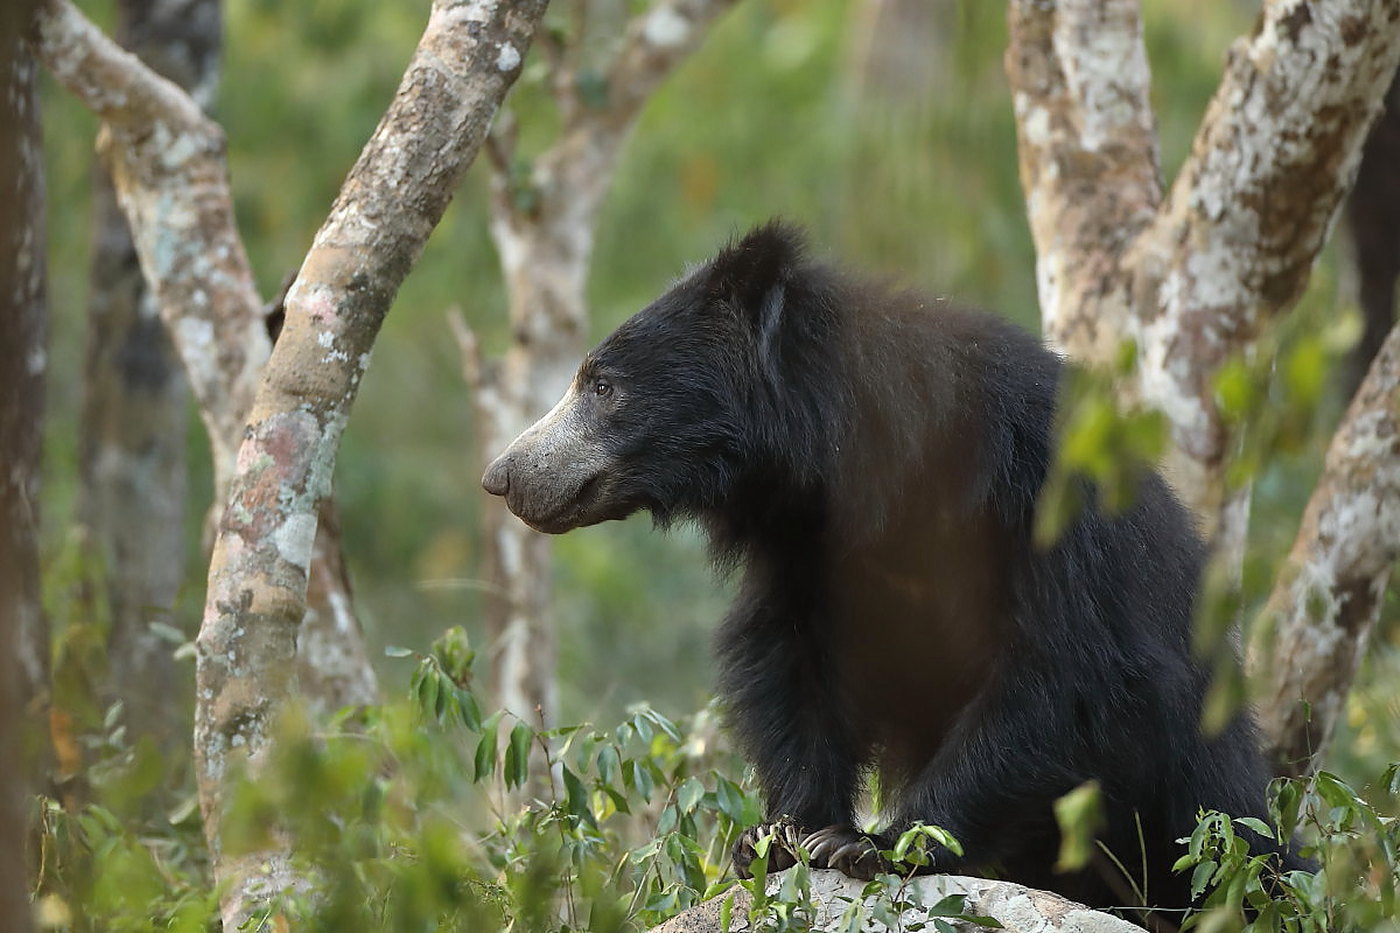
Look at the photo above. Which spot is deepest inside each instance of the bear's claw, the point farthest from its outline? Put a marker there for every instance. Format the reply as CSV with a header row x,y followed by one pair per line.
x,y
782,852
846,849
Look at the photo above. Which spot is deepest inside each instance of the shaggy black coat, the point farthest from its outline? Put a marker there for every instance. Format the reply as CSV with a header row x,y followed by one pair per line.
x,y
871,460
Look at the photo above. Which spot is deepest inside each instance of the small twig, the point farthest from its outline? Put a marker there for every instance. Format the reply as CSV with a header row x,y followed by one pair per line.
x,y
469,347
501,141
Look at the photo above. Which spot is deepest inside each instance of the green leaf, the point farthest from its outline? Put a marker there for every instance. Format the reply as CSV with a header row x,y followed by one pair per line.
x,y
1080,815
467,709
1201,877
484,761
609,764
689,793
576,796
517,767
1258,825
730,800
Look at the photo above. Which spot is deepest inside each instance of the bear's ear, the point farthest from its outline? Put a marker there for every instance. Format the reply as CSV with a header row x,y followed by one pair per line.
x,y
753,271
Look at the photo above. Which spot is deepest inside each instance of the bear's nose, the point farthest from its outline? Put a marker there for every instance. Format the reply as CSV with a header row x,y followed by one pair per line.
x,y
496,479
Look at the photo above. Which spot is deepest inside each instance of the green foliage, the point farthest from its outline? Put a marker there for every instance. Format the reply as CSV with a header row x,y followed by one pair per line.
x,y
1098,444
426,815
1357,847
1080,816
431,813
423,815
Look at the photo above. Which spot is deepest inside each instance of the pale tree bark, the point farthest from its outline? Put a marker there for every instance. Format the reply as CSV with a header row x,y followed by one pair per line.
x,y
23,334
133,433
1194,278
1018,909
1322,611
544,228
468,57
167,163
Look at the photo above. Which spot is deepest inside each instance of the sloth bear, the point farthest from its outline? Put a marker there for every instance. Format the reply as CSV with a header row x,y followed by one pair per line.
x,y
871,459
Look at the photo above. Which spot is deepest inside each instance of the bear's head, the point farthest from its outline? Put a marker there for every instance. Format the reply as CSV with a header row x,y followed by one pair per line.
x,y
684,400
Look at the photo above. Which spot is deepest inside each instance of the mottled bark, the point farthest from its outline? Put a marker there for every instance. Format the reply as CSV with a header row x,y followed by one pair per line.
x,y
333,667
156,141
468,57
1193,281
167,162
23,641
1320,616
1017,908
1087,143
545,241
133,435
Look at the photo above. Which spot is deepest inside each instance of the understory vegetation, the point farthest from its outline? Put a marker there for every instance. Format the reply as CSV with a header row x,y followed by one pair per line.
x,y
427,813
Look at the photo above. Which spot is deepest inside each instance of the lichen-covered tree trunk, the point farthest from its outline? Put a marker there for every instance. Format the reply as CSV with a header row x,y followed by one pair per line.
x,y
545,250
1194,277
23,641
133,434
468,57
167,162
1320,616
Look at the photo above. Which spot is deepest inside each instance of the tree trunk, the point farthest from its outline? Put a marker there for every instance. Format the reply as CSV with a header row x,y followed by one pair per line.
x,y
898,59
1320,616
333,666
545,242
133,434
1194,278
23,367
178,203
467,59
23,325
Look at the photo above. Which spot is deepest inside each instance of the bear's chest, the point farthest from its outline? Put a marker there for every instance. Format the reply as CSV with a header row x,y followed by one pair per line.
x,y
915,631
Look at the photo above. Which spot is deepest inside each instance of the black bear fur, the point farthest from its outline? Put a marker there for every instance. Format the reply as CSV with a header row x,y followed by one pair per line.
x,y
871,458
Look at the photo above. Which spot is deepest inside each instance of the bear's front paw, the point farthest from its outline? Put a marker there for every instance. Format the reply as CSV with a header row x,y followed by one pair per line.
x,y
848,850
782,851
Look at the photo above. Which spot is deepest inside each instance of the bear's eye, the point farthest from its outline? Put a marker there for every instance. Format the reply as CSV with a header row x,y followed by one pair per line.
x,y
602,388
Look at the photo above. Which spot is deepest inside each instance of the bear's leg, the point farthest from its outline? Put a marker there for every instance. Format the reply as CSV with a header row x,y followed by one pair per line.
x,y
994,781
789,722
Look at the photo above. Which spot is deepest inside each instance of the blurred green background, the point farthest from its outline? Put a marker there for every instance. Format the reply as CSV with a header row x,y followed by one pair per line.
x,y
910,172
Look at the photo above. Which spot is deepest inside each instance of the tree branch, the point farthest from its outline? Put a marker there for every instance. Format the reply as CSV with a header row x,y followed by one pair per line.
x,y
1236,239
157,140
171,177
545,252
1321,613
1087,143
656,42
1234,242
466,60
